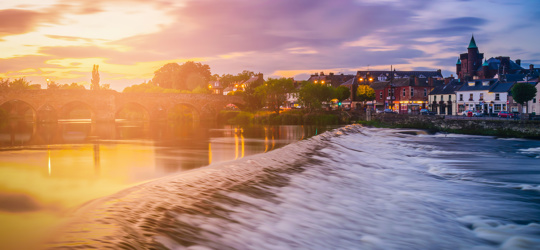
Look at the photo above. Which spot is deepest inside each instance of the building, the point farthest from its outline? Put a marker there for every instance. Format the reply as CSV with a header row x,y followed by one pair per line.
x,y
488,96
442,99
216,87
404,95
534,105
473,66
241,85
330,79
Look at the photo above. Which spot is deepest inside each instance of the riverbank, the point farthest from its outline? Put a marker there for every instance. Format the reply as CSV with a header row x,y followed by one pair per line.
x,y
286,117
501,128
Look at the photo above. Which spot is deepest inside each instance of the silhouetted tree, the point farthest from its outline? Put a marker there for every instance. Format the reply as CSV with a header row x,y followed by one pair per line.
x,y
187,76
523,92
95,77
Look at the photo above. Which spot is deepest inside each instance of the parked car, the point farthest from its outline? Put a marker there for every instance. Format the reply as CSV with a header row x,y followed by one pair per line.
x,y
468,113
378,111
389,111
426,112
477,113
505,114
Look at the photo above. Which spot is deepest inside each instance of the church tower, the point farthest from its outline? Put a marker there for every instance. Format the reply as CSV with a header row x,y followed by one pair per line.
x,y
470,62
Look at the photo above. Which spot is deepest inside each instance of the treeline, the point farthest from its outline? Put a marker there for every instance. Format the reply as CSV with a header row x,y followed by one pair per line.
x,y
23,84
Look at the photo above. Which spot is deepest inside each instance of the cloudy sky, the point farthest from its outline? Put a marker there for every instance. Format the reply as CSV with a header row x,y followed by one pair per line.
x,y
130,39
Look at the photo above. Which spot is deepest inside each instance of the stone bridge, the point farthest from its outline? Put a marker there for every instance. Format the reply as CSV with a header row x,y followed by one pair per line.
x,y
104,105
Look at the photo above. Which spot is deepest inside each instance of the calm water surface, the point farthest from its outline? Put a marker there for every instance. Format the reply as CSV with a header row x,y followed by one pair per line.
x,y
49,169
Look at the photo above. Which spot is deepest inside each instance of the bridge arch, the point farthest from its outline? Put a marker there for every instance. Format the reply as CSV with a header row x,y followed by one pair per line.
x,y
183,112
132,111
19,109
77,110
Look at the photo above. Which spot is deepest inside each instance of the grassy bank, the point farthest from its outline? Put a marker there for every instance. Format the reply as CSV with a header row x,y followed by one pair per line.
x,y
288,117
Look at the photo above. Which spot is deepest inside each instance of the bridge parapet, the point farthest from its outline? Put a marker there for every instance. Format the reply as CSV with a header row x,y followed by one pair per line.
x,y
105,104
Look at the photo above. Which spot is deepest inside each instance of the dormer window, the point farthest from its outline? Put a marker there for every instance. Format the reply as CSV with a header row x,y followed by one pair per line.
x,y
472,83
485,83
421,76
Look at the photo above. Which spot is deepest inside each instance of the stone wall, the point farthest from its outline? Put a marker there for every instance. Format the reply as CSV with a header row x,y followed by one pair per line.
x,y
506,128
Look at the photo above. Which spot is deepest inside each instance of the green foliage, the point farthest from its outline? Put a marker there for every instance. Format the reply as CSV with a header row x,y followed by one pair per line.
x,y
313,95
228,79
148,88
201,90
54,85
275,90
341,93
187,76
19,84
254,99
321,119
242,118
73,85
523,92
365,93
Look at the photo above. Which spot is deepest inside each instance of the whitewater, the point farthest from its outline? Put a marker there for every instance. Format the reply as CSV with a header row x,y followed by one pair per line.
x,y
349,188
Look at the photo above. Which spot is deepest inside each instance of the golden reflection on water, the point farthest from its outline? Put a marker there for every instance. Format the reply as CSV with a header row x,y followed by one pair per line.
x,y
63,166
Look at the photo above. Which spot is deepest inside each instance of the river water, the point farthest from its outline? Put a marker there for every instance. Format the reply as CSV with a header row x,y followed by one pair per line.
x,y
349,188
48,170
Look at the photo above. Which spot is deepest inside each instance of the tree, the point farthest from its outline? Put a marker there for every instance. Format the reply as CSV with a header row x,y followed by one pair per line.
x,y
187,76
95,77
52,85
73,85
254,99
523,92
365,93
342,93
313,95
275,90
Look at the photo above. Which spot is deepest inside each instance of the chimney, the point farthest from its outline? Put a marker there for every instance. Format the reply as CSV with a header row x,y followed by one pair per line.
x,y
531,67
518,62
331,73
322,73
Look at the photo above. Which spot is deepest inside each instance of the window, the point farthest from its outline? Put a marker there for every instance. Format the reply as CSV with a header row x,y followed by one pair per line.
x,y
497,97
461,108
412,92
380,95
425,92
404,92
461,97
481,96
471,97
449,97
534,100
497,107
442,98
434,98
389,92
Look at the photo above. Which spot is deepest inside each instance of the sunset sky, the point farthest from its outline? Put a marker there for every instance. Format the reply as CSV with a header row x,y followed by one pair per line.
x,y
130,39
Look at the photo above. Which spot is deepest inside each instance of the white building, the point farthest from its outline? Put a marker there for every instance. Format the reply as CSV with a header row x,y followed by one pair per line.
x,y
488,96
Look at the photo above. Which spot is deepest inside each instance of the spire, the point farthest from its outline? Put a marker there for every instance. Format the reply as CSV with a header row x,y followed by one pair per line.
x,y
472,44
458,61
485,63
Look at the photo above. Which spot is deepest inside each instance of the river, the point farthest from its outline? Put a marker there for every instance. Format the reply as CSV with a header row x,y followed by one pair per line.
x,y
48,170
349,188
